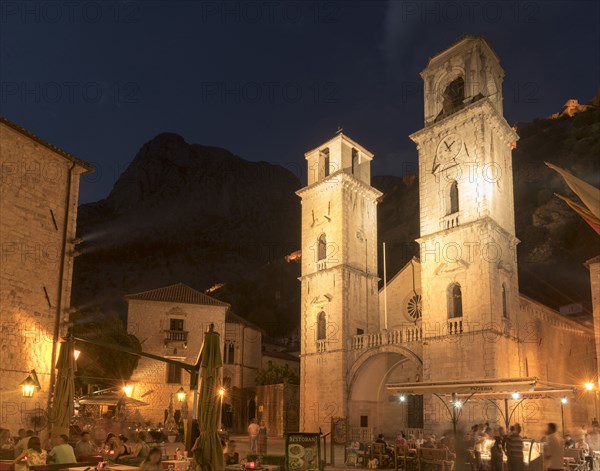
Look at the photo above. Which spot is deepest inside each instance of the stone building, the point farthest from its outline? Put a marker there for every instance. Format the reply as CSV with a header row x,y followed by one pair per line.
x,y
171,322
39,187
454,314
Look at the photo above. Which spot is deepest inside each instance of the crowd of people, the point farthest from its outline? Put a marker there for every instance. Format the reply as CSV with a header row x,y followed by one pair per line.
x,y
475,444
28,450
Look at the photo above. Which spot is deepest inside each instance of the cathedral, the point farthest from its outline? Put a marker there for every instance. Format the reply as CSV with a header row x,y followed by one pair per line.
x,y
450,330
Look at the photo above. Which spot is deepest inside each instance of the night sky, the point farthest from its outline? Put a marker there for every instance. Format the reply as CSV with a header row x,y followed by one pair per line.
x,y
270,80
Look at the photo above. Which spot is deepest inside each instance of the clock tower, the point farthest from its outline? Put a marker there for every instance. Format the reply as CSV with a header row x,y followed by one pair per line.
x,y
467,230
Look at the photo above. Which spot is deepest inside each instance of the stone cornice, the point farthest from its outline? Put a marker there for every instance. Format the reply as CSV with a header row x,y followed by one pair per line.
x,y
346,180
486,220
339,267
552,317
481,108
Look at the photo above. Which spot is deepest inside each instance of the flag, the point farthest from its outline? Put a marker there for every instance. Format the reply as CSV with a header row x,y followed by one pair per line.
x,y
587,216
586,192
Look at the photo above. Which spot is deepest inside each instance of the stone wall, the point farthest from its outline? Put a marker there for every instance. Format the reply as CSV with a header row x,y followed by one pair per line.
x,y
34,184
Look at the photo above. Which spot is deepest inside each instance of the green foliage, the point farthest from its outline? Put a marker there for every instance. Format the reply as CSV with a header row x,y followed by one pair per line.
x,y
99,364
276,375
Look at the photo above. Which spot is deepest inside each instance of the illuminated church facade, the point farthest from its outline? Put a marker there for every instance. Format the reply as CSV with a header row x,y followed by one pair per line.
x,y
454,314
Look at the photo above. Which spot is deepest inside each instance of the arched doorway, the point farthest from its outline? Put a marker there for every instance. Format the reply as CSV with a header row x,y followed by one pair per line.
x,y
251,410
369,402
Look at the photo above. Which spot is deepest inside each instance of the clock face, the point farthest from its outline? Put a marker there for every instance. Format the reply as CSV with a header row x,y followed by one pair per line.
x,y
449,148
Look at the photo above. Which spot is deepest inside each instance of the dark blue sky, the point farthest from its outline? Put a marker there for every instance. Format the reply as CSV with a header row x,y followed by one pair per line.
x,y
270,80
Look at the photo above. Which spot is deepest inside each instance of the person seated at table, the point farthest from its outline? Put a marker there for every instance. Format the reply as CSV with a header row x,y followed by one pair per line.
x,y
152,461
381,439
569,442
33,455
62,452
85,446
137,451
401,440
585,451
429,443
6,441
412,441
231,456
114,448
24,436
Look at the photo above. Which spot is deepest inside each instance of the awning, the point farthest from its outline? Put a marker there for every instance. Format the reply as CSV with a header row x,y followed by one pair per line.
x,y
483,386
110,400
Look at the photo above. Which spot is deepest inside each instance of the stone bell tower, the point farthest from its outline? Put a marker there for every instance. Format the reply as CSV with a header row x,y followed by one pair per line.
x,y
467,242
339,274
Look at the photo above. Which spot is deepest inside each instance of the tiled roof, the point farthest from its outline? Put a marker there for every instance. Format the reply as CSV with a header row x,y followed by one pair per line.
x,y
178,293
233,318
88,167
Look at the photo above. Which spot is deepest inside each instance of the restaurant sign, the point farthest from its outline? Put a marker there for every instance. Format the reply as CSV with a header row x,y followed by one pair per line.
x,y
303,452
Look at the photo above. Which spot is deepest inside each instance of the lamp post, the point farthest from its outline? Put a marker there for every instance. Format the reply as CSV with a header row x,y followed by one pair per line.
x,y
563,401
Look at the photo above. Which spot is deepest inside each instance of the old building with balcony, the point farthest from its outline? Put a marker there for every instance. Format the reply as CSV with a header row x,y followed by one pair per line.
x,y
171,322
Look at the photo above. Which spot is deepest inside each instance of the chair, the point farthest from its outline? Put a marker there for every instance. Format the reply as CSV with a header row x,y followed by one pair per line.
x,y
435,457
404,458
378,450
574,461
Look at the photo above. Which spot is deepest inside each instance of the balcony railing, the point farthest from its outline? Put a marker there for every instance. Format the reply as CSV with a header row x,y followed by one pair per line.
x,y
176,336
449,221
455,326
389,337
321,346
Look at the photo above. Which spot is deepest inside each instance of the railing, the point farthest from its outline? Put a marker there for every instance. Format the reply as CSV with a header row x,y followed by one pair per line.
x,y
361,434
389,337
176,336
321,264
321,346
455,326
450,221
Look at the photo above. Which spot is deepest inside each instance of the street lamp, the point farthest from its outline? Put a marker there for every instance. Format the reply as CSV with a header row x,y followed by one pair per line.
x,y
181,394
516,395
402,398
30,384
128,389
221,392
589,386
76,354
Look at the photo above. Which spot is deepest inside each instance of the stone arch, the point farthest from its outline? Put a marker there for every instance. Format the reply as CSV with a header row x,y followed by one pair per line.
x,y
440,85
370,353
366,389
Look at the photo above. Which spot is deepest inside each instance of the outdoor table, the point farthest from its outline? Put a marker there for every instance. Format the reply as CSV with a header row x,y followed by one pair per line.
x,y
121,467
183,465
7,465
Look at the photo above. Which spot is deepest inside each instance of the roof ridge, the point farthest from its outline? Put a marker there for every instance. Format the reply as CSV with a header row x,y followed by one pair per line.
x,y
178,292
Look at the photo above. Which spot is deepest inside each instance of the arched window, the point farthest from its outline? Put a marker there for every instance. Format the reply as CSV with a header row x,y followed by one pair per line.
x,y
322,326
504,302
354,160
454,301
231,354
453,198
454,96
322,249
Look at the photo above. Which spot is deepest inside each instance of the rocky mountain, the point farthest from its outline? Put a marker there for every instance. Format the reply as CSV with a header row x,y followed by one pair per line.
x,y
203,216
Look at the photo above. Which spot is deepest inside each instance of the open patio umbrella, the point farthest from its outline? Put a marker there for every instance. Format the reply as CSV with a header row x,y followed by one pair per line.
x,y
207,450
64,389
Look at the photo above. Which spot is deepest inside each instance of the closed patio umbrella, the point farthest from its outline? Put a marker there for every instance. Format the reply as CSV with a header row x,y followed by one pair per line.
x,y
64,390
208,453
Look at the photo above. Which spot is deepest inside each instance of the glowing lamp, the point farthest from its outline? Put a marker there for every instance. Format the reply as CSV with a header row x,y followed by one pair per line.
x,y
221,392
589,386
564,399
516,395
402,398
76,354
458,404
128,389
28,387
181,394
